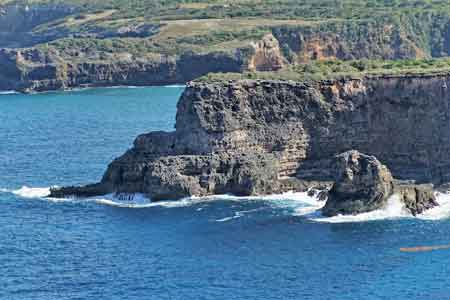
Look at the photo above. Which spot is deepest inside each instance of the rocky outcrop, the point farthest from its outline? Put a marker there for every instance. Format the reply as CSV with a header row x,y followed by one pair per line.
x,y
267,55
417,198
347,41
257,137
37,69
363,184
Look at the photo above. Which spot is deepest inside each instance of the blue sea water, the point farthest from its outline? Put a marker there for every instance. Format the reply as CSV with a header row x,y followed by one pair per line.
x,y
275,247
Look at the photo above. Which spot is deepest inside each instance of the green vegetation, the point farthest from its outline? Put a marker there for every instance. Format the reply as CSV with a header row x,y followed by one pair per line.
x,y
284,9
340,34
335,69
207,25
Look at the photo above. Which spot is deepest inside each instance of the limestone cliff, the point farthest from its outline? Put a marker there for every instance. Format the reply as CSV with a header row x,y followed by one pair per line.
x,y
257,137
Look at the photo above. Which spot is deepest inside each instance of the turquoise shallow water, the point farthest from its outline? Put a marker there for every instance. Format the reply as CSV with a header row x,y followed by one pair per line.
x,y
193,249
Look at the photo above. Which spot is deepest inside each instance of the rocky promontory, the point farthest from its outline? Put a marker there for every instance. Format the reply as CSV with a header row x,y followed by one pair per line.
x,y
255,137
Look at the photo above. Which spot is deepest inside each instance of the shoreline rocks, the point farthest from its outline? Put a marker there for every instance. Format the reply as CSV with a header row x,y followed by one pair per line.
x,y
363,184
252,137
417,198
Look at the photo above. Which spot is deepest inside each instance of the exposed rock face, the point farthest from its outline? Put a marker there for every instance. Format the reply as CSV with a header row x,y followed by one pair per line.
x,y
267,56
32,69
352,40
258,137
417,198
31,24
362,184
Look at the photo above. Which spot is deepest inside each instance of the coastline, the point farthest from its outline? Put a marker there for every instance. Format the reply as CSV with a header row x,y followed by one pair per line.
x,y
84,88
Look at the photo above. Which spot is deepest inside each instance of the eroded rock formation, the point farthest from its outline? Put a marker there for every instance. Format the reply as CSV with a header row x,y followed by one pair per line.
x,y
364,184
258,137
34,70
417,198
267,56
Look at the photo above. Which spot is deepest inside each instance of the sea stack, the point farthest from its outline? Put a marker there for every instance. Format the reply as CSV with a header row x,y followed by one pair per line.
x,y
364,184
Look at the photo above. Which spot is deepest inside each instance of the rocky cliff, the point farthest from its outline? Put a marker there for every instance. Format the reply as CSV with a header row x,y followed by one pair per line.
x,y
34,70
37,69
116,42
253,137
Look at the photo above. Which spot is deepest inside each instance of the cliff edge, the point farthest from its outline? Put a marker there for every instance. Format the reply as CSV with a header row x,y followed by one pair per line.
x,y
254,137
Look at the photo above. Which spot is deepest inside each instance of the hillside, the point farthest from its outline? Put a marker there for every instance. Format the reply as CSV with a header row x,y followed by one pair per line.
x,y
50,44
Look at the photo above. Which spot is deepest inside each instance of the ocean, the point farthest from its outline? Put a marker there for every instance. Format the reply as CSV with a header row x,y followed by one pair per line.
x,y
221,247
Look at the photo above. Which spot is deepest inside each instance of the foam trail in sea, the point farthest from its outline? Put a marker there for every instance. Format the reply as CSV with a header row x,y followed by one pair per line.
x,y
297,204
8,92
239,214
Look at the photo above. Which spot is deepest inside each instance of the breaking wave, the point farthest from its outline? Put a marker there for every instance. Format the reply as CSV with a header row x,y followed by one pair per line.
x,y
27,192
439,212
394,210
297,204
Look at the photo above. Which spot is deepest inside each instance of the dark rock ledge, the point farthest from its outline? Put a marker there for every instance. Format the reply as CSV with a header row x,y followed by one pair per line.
x,y
261,137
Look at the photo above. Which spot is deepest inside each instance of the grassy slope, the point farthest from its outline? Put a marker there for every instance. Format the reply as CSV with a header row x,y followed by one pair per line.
x,y
228,20
211,25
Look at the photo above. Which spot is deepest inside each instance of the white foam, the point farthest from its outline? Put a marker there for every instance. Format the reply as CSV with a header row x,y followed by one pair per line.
x,y
8,92
239,214
299,204
228,218
141,201
28,192
175,86
286,200
439,212
393,210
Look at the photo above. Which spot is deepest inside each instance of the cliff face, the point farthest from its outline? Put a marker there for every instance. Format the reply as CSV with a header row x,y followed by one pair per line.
x,y
49,67
259,137
35,70
351,40
101,43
